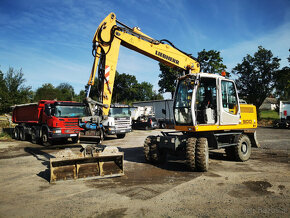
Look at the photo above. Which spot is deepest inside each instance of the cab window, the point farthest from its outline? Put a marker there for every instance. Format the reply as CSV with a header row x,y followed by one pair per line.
x,y
229,97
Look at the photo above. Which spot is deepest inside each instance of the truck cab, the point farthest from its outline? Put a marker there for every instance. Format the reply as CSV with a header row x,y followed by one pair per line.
x,y
119,121
48,120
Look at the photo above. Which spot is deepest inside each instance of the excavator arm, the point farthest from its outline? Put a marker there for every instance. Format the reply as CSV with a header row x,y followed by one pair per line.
x,y
106,44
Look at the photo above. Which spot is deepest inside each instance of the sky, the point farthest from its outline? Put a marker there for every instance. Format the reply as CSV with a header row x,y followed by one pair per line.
x,y
51,40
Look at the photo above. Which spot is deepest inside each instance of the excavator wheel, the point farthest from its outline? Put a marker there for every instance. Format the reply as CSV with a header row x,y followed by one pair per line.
x,y
243,149
190,153
157,156
202,155
147,144
152,153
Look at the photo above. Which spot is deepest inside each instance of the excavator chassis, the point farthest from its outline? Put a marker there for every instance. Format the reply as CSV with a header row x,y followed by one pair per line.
x,y
97,164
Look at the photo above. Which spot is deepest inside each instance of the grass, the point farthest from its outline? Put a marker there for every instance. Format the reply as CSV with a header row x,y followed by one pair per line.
x,y
269,114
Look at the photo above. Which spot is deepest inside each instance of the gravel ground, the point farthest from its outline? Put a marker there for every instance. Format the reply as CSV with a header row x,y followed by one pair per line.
x,y
258,187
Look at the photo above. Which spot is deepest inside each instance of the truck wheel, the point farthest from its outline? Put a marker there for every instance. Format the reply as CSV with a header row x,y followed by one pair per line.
x,y
34,138
16,133
190,153
121,136
202,155
22,135
243,149
45,140
157,156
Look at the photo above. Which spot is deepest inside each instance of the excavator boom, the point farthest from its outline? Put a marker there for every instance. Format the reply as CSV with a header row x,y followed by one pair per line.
x,y
110,34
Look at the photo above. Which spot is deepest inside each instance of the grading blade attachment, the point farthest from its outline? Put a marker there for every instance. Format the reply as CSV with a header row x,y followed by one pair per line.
x,y
92,164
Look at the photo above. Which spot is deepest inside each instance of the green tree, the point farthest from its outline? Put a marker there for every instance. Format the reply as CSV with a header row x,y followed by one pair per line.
x,y
145,92
12,89
46,92
211,61
168,79
81,96
256,76
127,90
66,92
282,82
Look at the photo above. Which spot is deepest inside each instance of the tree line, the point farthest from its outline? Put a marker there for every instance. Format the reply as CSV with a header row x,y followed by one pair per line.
x,y
13,91
257,76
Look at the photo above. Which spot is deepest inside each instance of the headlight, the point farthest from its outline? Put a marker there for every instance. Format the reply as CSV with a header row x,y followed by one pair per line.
x,y
57,131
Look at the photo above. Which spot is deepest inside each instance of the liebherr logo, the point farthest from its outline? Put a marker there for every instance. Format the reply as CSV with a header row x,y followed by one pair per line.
x,y
160,54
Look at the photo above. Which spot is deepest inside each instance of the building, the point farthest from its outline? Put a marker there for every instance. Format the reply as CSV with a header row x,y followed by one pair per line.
x,y
269,104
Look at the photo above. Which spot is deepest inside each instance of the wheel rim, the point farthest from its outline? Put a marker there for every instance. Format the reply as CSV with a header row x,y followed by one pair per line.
x,y
16,133
244,147
33,136
44,138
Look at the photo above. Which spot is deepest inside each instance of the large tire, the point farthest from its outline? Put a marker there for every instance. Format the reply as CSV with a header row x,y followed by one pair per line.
x,y
44,138
243,149
121,136
16,133
22,135
157,156
147,144
152,153
202,155
34,138
190,153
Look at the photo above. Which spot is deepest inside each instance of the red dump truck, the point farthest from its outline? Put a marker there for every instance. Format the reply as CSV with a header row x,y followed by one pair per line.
x,y
48,120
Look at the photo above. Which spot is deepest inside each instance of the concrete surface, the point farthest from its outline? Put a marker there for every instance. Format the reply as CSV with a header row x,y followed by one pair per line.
x,y
258,187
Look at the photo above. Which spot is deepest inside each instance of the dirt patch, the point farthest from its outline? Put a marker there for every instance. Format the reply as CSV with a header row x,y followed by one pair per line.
x,y
281,187
270,156
148,174
251,189
260,187
115,213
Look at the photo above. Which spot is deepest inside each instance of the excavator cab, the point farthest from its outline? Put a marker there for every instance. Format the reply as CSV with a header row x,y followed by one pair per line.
x,y
206,99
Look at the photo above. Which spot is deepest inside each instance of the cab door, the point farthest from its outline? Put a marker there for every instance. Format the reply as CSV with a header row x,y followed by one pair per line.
x,y
229,103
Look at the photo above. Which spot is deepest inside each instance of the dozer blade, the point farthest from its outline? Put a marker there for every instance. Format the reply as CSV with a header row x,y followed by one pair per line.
x,y
95,165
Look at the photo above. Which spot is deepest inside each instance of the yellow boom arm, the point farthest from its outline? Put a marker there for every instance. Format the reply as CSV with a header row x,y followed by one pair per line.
x,y
106,43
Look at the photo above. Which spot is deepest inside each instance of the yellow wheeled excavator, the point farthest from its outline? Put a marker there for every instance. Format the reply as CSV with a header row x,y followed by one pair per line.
x,y
207,111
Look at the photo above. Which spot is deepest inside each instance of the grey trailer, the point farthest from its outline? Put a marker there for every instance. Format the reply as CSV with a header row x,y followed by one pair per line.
x,y
163,110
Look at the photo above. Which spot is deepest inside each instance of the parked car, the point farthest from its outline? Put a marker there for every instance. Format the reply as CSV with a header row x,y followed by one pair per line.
x,y
145,123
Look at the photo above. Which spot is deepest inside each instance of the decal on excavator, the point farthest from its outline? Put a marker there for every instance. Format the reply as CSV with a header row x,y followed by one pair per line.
x,y
160,54
107,76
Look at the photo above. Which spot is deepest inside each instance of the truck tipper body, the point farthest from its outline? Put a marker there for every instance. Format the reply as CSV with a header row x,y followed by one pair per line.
x,y
48,120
